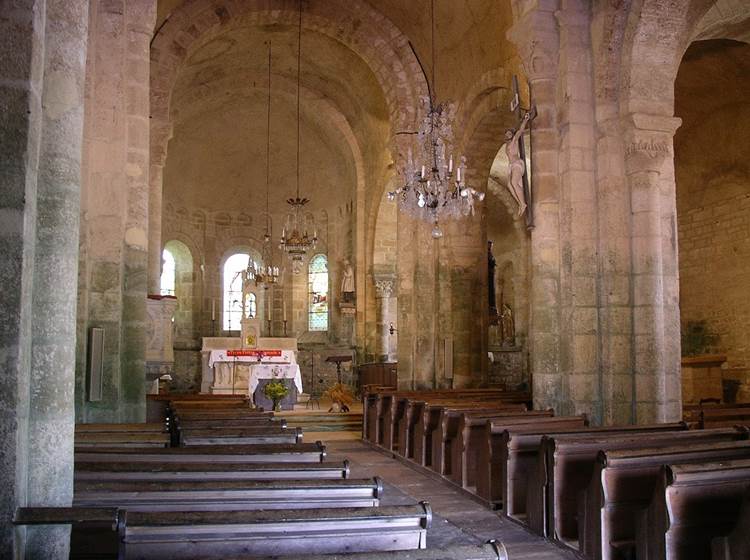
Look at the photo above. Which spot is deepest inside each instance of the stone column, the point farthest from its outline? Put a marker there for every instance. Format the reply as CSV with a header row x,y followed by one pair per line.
x,y
535,33
139,21
385,315
49,471
654,283
21,71
154,226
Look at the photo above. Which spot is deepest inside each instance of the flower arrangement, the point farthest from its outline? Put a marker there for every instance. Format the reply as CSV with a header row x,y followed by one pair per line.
x,y
276,390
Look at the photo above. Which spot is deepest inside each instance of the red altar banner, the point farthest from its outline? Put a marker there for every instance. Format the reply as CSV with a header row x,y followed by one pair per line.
x,y
256,353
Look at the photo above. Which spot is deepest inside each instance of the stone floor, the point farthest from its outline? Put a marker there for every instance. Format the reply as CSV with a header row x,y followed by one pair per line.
x,y
457,519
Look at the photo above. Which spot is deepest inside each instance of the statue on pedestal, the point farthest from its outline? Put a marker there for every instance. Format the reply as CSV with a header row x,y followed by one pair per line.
x,y
507,326
347,283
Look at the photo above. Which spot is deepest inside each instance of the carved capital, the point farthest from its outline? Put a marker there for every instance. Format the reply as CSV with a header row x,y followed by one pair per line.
x,y
384,288
648,141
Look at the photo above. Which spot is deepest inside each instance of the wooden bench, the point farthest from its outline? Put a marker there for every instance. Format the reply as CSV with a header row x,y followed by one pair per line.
x,y
376,406
623,484
406,426
471,436
221,535
519,450
394,407
491,469
427,421
219,414
444,435
735,545
691,505
122,439
566,464
263,435
227,495
277,453
127,428
492,550
187,471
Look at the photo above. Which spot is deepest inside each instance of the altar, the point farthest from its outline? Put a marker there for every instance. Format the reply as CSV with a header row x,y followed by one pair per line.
x,y
228,368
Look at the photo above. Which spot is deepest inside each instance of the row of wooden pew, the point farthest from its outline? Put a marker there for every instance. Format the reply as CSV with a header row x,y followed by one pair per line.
x,y
644,492
218,479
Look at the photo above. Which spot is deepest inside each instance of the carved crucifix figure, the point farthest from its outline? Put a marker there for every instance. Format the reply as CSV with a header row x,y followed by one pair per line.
x,y
518,182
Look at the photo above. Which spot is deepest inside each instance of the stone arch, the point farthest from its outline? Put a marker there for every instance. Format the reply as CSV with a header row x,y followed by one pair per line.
x,y
186,375
353,22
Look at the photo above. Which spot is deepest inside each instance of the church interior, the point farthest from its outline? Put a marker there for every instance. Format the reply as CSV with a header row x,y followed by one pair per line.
x,y
372,279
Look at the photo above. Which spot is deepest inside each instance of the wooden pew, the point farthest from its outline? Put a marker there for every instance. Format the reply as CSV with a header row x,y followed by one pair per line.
x,y
122,439
277,453
406,425
492,550
188,471
126,428
623,484
566,464
446,432
250,422
427,421
735,545
227,495
377,405
395,407
692,504
221,535
519,450
219,414
470,437
491,469
263,435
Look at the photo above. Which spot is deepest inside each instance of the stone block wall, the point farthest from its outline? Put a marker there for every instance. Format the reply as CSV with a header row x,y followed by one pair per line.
x,y
713,195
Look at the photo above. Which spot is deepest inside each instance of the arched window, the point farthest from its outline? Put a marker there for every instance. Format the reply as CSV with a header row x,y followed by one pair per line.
x,y
232,300
317,278
251,305
168,274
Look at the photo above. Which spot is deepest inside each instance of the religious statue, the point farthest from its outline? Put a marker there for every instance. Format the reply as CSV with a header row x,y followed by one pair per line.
x,y
516,162
491,264
347,283
507,326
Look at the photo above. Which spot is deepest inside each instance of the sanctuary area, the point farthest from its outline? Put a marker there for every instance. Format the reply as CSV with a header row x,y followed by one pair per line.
x,y
375,279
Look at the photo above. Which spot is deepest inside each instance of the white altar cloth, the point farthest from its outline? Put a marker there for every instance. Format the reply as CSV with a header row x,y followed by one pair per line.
x,y
278,371
236,355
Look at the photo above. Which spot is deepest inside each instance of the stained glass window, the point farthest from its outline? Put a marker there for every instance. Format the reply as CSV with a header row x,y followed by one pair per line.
x,y
318,290
168,273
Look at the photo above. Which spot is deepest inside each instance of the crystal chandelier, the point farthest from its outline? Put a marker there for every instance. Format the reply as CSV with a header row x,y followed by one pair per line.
x,y
265,274
299,235
434,186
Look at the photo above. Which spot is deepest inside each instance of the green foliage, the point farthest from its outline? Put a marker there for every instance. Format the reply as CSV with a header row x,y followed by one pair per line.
x,y
276,390
697,338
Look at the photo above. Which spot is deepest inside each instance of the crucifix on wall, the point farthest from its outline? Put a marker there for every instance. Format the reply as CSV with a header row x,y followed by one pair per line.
x,y
518,180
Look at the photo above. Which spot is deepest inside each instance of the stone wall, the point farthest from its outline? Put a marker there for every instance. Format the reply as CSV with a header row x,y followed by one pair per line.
x,y
713,194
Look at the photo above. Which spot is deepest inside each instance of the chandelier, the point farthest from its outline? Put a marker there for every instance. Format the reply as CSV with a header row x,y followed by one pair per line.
x,y
435,186
299,235
265,274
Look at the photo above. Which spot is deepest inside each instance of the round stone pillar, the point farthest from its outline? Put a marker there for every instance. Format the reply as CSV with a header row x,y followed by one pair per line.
x,y
386,315
55,277
649,167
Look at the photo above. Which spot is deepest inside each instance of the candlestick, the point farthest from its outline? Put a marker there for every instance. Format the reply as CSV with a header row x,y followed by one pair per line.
x,y
284,327
284,309
213,310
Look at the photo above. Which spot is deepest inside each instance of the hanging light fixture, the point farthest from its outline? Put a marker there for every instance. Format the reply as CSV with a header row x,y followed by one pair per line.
x,y
435,186
299,235
265,274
